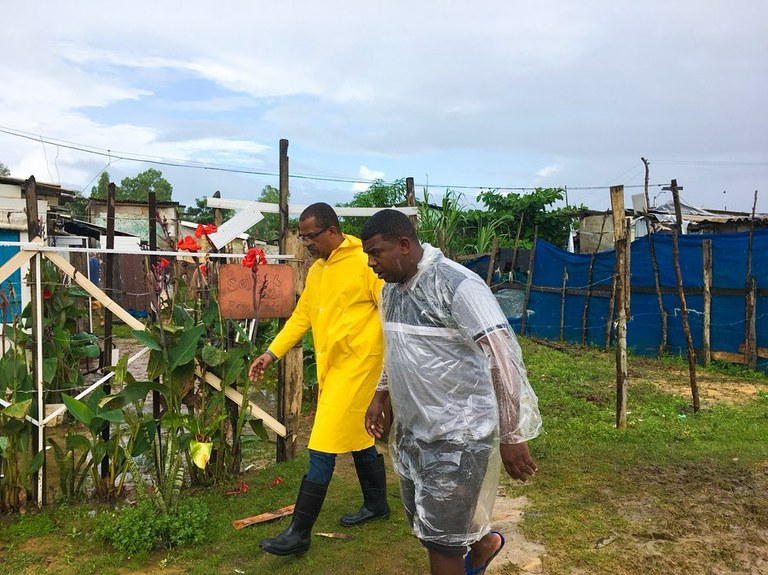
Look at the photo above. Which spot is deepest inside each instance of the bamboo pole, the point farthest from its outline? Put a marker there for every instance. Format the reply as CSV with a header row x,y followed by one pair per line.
x,y
622,305
529,282
707,276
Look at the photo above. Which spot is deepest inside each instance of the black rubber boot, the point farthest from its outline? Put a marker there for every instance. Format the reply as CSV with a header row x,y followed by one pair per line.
x,y
373,480
295,540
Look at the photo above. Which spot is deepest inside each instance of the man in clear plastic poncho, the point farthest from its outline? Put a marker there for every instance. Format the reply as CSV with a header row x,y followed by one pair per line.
x,y
459,391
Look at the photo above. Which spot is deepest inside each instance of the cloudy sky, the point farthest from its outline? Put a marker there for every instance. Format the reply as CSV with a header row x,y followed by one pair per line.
x,y
468,95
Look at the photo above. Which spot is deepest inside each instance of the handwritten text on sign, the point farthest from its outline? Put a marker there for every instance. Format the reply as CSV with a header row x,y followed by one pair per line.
x,y
273,295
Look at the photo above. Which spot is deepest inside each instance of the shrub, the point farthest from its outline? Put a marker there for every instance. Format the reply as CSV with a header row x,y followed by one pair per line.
x,y
141,529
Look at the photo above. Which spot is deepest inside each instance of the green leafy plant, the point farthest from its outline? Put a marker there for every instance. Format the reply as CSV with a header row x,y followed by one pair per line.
x,y
141,529
16,459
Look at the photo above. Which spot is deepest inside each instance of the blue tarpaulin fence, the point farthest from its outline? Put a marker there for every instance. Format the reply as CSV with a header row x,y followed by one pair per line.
x,y
644,326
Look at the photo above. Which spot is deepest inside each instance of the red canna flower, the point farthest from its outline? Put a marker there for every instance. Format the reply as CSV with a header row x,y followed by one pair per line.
x,y
188,243
204,230
164,263
254,258
47,293
204,270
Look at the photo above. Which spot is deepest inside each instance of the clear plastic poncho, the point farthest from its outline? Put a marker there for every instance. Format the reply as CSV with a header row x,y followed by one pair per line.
x,y
458,385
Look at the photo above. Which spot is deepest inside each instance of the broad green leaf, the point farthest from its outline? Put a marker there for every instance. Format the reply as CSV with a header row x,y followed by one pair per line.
x,y
3,444
232,372
78,442
156,365
114,415
213,356
61,338
184,351
146,339
36,463
50,365
18,410
258,428
78,409
91,350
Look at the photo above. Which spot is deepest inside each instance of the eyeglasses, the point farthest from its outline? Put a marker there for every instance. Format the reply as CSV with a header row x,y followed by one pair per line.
x,y
312,236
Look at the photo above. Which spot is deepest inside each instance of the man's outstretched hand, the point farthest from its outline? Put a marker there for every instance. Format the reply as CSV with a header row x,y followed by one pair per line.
x,y
259,365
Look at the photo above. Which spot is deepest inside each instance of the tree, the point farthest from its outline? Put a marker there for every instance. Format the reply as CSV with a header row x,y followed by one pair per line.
x,y
268,229
202,214
4,170
99,191
378,195
554,225
137,189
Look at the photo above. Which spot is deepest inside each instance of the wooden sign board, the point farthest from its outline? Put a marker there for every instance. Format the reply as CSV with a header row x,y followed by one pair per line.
x,y
272,294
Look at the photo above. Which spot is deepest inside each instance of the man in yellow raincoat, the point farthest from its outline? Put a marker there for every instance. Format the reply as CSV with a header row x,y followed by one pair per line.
x,y
340,304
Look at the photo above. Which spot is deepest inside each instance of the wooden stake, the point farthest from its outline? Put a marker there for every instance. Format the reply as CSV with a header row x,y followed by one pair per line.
x,y
282,452
675,189
294,359
529,282
750,341
622,306
492,261
562,302
588,296
517,242
34,233
707,276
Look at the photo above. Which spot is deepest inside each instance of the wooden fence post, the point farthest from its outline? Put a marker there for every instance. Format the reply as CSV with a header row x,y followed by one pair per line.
x,y
34,230
622,288
529,283
707,276
282,454
294,359
681,295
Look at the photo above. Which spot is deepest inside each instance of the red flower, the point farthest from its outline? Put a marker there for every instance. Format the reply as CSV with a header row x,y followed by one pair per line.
x,y
47,293
188,243
204,230
276,481
254,258
164,263
204,271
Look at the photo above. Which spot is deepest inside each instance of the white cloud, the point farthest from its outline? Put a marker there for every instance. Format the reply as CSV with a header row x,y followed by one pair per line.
x,y
547,171
366,173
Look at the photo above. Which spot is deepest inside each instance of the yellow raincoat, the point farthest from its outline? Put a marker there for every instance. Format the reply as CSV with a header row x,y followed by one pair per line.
x,y
340,303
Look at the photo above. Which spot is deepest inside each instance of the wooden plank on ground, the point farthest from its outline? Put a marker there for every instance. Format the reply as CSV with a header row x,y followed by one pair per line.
x,y
263,517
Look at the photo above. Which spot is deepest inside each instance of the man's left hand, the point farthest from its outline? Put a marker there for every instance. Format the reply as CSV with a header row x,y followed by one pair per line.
x,y
517,460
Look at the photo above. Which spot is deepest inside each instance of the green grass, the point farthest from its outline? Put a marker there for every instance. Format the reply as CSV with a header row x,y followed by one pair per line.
x,y
672,493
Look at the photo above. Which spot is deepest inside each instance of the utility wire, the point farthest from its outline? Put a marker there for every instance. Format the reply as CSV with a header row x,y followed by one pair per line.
x,y
132,157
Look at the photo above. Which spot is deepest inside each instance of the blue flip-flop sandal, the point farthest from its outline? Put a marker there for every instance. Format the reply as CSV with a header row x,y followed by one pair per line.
x,y
480,570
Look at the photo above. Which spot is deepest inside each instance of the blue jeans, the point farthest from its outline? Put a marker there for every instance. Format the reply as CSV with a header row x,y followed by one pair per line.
x,y
321,464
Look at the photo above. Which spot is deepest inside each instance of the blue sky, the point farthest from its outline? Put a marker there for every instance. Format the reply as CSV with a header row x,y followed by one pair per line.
x,y
484,94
